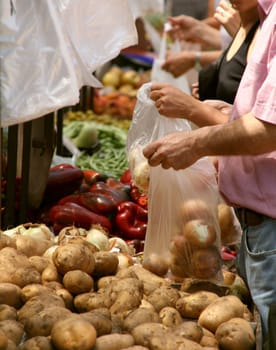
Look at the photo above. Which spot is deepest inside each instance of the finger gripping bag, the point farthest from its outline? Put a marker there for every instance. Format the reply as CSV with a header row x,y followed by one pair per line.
x,y
183,228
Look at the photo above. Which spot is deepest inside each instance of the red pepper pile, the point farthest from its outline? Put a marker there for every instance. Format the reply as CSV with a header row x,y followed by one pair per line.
x,y
84,198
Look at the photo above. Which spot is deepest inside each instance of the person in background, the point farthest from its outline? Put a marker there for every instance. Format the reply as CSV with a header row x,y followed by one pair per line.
x,y
228,20
195,8
206,34
221,79
246,146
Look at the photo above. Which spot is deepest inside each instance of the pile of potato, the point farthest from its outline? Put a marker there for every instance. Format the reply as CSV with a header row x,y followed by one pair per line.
x,y
66,294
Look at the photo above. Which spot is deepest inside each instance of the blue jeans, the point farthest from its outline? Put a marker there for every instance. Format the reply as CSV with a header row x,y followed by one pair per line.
x,y
256,264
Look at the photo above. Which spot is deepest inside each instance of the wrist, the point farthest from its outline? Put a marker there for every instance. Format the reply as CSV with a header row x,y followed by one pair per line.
x,y
197,57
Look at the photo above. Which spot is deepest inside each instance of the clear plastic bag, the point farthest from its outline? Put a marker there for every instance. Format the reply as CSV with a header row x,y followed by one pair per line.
x,y
183,226
159,75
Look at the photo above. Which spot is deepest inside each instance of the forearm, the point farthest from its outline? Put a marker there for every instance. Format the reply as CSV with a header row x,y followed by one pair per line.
x,y
210,37
207,57
245,136
202,114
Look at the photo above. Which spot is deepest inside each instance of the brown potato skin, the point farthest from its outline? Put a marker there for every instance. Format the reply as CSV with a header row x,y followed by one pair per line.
x,y
219,311
237,334
10,294
170,316
74,256
144,332
100,319
77,282
139,316
199,233
190,330
193,209
34,289
73,333
113,341
3,340
106,264
156,264
39,262
42,322
7,312
206,263
13,329
37,343
50,274
191,305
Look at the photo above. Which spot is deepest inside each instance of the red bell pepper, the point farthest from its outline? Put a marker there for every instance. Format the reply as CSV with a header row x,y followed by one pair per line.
x,y
131,221
126,177
97,201
114,183
228,254
62,166
143,200
62,181
118,193
138,197
92,176
73,214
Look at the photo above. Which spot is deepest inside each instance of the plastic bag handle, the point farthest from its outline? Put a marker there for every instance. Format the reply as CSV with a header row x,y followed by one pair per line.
x,y
163,46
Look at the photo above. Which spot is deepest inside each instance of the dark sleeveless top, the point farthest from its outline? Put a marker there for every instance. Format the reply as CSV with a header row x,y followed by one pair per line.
x,y
229,73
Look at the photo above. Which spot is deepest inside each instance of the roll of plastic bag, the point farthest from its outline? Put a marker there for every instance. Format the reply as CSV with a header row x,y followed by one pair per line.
x,y
98,31
37,74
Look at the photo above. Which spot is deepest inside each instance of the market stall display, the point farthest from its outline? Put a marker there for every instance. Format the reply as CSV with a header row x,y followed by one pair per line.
x,y
75,275
83,281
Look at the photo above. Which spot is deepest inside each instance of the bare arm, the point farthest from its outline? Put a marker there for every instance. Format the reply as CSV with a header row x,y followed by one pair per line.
x,y
226,15
172,102
180,63
190,29
245,136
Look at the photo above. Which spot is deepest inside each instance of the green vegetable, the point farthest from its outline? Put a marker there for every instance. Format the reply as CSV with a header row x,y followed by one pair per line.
x,y
110,158
87,137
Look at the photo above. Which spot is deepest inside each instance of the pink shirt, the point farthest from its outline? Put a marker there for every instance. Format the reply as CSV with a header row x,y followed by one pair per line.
x,y
250,181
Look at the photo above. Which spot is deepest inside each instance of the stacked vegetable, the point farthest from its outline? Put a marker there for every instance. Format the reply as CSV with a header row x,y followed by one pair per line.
x,y
83,290
110,155
86,197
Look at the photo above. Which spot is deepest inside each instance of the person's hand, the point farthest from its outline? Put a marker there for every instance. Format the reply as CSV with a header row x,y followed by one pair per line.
x,y
176,150
180,63
226,15
170,101
195,90
220,105
185,28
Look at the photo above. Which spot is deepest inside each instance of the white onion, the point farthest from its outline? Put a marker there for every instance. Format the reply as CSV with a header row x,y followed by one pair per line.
x,y
18,230
49,252
98,238
40,231
125,261
117,244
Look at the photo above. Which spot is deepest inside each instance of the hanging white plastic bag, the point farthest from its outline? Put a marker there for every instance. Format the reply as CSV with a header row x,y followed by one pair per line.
x,y
98,31
37,75
183,228
159,75
8,26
